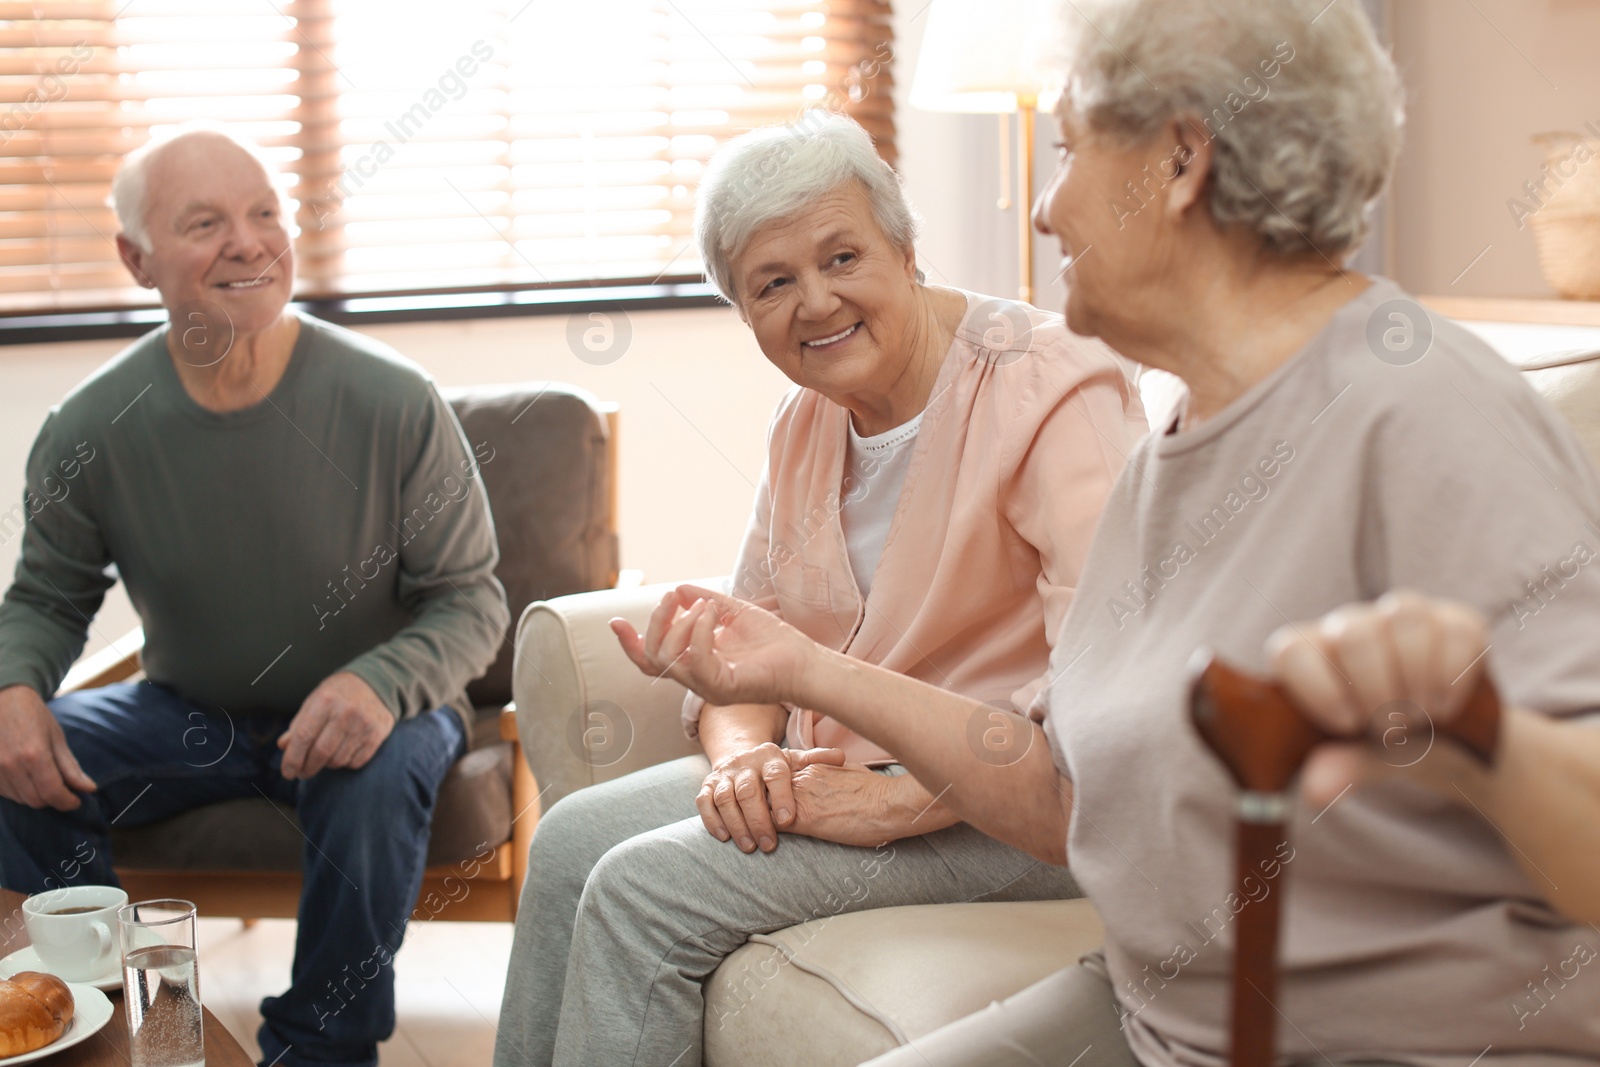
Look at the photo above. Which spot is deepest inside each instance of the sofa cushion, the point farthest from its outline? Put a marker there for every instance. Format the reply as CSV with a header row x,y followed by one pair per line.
x,y
845,988
1570,381
544,450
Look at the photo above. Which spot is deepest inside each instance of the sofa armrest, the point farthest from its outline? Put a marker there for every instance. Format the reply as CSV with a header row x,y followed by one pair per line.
x,y
584,712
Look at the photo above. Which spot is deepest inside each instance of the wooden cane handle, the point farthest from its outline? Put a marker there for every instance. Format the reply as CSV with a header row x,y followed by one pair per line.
x,y
1263,738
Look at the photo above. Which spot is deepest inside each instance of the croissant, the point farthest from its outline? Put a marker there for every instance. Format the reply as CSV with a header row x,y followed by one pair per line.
x,y
35,1009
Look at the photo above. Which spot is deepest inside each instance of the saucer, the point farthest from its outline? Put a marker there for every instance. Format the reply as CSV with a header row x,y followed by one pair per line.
x,y
28,960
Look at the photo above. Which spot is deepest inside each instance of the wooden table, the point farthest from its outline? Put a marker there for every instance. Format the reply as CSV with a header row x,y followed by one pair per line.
x,y
109,1046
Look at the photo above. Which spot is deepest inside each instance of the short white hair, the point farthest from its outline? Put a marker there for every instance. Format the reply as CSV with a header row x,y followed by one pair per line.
x,y
1299,156
776,172
130,184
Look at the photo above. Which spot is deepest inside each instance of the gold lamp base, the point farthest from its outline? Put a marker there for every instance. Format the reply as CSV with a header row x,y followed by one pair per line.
x,y
1025,119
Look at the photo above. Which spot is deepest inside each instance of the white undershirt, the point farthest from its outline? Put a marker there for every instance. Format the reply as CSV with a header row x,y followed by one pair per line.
x,y
875,472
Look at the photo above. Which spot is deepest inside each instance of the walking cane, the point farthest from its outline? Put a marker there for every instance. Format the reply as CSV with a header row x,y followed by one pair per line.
x,y
1263,740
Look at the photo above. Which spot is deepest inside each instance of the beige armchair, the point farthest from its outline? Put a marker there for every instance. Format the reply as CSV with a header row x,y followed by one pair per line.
x,y
836,990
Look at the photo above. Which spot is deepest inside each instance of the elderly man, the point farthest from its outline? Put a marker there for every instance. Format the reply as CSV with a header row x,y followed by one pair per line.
x,y
299,522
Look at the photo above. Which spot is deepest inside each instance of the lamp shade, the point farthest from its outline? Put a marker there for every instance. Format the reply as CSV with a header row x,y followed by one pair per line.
x,y
981,56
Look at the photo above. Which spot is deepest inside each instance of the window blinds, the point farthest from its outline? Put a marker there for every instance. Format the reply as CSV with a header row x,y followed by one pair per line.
x,y
428,147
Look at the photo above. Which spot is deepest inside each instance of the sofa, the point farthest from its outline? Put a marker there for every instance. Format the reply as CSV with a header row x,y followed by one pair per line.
x,y
845,988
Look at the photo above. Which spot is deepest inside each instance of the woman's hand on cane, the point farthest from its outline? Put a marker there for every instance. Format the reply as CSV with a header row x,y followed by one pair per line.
x,y
1397,669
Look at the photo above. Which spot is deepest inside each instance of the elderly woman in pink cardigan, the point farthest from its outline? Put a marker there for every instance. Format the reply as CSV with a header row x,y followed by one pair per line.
x,y
930,490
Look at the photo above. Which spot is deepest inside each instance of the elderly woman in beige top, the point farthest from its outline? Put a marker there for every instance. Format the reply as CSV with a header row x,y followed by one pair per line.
x,y
1339,456
931,486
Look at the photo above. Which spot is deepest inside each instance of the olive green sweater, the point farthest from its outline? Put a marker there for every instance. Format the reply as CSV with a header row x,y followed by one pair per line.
x,y
339,524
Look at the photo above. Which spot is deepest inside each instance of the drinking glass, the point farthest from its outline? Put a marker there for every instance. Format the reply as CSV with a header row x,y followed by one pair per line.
x,y
161,983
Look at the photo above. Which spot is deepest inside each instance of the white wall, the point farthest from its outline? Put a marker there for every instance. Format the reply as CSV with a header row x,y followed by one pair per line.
x,y
32,378
1482,78
695,394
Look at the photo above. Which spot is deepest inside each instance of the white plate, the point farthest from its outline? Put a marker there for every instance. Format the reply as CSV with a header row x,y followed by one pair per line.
x,y
28,960
91,1010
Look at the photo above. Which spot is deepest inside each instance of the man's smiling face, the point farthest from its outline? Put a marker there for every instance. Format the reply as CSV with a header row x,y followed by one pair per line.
x,y
217,234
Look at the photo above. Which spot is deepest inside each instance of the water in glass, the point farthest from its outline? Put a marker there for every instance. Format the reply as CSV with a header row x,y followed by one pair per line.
x,y
162,985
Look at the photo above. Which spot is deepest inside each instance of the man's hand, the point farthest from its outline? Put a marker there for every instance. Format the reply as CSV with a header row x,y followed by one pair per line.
x,y
36,766
341,724
746,797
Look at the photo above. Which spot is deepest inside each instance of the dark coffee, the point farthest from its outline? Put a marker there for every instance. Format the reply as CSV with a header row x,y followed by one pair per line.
x,y
74,911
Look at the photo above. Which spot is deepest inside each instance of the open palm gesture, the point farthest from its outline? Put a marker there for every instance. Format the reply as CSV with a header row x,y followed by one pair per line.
x,y
727,650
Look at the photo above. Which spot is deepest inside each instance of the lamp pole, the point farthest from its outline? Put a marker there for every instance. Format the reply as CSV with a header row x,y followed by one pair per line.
x,y
1025,117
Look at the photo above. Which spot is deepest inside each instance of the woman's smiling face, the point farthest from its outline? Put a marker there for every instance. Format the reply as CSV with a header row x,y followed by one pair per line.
x,y
831,300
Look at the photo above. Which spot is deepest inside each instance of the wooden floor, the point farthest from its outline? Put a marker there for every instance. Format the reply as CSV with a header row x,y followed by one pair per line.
x,y
449,978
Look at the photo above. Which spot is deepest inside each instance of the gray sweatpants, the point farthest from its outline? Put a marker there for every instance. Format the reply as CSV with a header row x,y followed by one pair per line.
x,y
630,905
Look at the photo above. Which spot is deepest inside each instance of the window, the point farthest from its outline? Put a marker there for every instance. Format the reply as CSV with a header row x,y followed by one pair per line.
x,y
429,147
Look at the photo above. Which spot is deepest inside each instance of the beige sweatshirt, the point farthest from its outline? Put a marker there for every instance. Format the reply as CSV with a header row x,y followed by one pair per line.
x,y
1411,934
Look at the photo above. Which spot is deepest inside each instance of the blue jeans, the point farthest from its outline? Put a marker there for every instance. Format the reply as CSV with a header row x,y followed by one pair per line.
x,y
153,755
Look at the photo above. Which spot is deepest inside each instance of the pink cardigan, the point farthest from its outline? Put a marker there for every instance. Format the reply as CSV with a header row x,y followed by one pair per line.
x,y
1015,458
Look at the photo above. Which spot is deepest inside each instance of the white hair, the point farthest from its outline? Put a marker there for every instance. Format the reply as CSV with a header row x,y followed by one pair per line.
x,y
130,184
1301,103
776,172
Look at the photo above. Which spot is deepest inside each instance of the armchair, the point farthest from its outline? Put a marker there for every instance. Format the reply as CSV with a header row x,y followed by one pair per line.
x,y
552,490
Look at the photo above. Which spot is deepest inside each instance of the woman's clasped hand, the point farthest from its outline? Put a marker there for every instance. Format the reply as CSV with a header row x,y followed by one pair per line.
x,y
732,652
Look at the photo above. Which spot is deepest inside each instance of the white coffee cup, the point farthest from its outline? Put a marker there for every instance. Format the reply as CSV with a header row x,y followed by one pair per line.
x,y
73,929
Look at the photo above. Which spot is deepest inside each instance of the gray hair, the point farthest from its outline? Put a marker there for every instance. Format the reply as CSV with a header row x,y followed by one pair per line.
x,y
1302,105
131,182
775,172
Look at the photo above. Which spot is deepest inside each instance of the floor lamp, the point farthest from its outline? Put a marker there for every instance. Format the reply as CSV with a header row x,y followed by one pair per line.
x,y
977,58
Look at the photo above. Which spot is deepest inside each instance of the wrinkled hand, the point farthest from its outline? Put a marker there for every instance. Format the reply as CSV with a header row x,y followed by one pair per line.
x,y
36,766
727,650
846,803
747,797
1404,660
341,724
